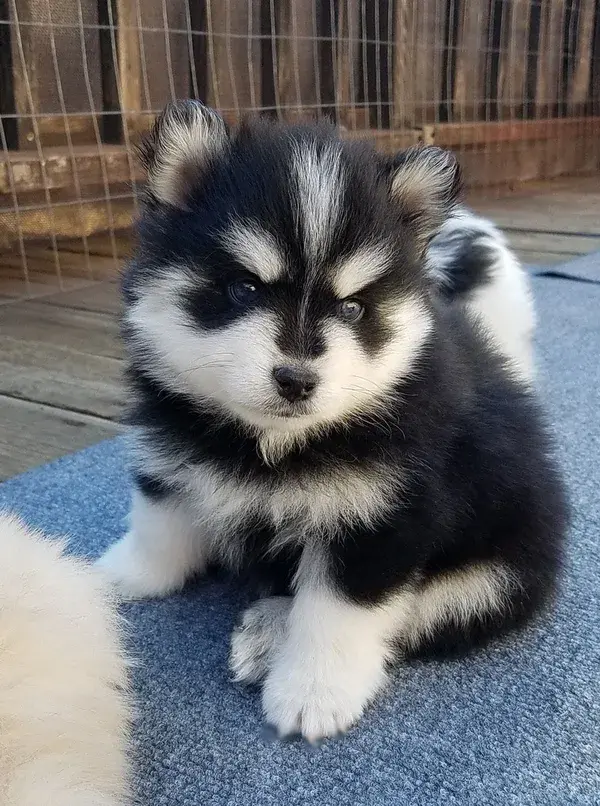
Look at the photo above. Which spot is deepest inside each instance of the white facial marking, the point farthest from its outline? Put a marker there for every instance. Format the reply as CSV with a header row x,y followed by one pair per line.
x,y
319,177
364,267
257,250
230,366
233,366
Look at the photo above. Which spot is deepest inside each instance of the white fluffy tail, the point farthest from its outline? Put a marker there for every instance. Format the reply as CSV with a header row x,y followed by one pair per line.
x,y
472,264
64,704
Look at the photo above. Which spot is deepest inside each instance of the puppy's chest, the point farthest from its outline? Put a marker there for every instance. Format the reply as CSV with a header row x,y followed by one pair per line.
x,y
293,507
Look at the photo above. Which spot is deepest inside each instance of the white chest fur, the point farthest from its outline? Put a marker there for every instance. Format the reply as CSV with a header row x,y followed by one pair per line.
x,y
318,502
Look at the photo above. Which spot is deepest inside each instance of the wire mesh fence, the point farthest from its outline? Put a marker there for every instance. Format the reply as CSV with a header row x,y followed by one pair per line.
x,y
512,85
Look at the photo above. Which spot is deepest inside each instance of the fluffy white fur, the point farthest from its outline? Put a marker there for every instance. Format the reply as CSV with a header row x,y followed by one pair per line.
x,y
318,176
161,550
64,707
323,658
505,304
187,138
365,266
167,543
256,249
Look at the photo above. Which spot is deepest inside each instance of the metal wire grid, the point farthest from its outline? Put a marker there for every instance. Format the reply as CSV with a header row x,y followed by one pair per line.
x,y
512,85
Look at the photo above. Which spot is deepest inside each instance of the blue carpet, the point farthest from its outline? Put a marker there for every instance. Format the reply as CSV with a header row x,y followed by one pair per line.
x,y
516,724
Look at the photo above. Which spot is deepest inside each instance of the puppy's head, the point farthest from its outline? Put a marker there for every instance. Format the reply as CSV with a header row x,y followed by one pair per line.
x,y
279,273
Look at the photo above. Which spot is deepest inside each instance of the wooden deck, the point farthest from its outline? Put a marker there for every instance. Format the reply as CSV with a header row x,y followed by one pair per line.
x,y
60,356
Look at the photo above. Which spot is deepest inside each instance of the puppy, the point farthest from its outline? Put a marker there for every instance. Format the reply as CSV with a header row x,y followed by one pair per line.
x,y
328,389
64,707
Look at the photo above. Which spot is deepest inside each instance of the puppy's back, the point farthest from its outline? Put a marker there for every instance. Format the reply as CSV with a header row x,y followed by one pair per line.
x,y
64,710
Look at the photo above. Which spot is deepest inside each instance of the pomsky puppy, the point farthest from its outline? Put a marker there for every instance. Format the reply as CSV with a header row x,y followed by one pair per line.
x,y
330,379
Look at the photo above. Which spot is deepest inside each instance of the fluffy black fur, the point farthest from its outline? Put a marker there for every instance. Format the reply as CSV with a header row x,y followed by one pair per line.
x,y
479,481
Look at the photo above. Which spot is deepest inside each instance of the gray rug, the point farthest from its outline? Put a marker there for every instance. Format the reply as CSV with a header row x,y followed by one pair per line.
x,y
516,724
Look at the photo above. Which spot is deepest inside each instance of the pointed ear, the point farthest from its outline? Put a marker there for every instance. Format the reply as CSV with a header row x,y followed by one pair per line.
x,y
425,182
186,137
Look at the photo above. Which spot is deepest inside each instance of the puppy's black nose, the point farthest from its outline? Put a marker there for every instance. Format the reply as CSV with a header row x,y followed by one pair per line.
x,y
294,383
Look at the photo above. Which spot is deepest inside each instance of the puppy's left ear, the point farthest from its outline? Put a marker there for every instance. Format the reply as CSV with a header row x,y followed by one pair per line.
x,y
186,138
425,182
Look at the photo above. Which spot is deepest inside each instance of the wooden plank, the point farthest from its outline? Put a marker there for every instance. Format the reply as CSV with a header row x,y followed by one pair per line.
x,y
347,68
60,376
61,167
562,211
418,67
100,297
67,221
40,284
469,82
386,140
549,84
298,75
33,434
567,245
71,264
512,76
51,326
49,79
451,135
233,55
7,89
580,79
535,257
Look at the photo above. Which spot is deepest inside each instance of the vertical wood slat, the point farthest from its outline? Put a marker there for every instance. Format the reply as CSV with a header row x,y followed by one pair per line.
x,y
593,107
153,65
111,125
512,78
347,70
36,82
548,89
469,82
298,57
375,62
419,32
234,52
578,87
7,91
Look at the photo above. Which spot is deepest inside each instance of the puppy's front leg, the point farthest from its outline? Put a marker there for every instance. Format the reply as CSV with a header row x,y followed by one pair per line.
x,y
332,661
161,550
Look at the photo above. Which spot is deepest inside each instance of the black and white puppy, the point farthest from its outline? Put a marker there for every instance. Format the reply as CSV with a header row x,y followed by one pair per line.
x,y
324,395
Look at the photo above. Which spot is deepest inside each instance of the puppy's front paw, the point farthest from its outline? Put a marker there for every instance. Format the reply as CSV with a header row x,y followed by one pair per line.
x,y
320,698
255,640
132,573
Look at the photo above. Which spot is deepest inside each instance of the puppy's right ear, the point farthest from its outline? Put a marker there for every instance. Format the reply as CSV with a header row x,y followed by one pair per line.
x,y
186,137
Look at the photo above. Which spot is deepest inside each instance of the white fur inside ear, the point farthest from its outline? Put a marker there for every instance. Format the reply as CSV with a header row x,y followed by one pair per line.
x,y
186,137
426,184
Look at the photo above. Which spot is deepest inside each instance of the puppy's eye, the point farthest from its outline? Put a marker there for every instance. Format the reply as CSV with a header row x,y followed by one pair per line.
x,y
244,292
351,310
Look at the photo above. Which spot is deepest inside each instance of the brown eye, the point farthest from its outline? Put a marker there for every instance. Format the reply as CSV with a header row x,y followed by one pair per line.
x,y
244,292
351,310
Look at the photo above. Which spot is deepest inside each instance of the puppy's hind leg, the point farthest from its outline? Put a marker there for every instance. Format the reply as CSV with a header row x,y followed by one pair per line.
x,y
161,550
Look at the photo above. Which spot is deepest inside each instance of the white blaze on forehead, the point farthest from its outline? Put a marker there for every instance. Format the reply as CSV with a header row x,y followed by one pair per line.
x,y
361,269
256,249
319,177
